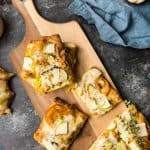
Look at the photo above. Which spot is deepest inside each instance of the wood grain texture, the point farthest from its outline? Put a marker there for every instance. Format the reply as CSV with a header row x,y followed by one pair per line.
x,y
36,27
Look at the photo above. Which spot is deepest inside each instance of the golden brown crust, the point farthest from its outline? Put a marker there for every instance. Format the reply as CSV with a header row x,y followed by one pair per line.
x,y
46,57
105,88
58,110
55,39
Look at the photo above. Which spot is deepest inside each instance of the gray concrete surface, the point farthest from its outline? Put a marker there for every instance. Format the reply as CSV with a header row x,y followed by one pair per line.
x,y
129,68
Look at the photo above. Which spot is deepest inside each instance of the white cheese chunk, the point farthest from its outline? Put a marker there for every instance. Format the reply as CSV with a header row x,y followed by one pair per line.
x,y
143,130
62,75
48,131
95,72
101,99
87,79
134,146
91,105
59,75
104,102
27,65
124,134
62,128
126,115
91,75
49,136
68,118
48,145
55,78
46,81
50,48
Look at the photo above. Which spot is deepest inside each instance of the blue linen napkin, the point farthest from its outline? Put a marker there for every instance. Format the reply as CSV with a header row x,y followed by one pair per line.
x,y
117,21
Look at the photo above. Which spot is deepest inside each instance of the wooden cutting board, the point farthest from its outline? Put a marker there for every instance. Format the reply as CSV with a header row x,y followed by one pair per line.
x,y
36,27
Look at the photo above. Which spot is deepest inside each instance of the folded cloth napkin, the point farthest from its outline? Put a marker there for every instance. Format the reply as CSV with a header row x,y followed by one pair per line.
x,y
117,21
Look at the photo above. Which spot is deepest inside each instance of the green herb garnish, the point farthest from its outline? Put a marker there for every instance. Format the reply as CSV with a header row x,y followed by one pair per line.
x,y
133,127
140,141
54,143
127,102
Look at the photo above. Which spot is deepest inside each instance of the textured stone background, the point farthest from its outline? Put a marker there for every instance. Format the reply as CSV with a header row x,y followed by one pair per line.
x,y
129,68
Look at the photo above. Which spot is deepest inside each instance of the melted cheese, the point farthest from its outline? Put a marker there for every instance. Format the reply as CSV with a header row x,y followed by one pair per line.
x,y
143,130
59,75
37,56
47,130
112,138
48,145
62,75
62,128
126,115
55,78
134,146
101,100
124,134
91,75
95,73
67,125
100,144
27,65
48,137
46,81
91,104
121,146
50,48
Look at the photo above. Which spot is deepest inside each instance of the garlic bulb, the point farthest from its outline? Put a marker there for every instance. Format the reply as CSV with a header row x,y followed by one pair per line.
x,y
136,1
